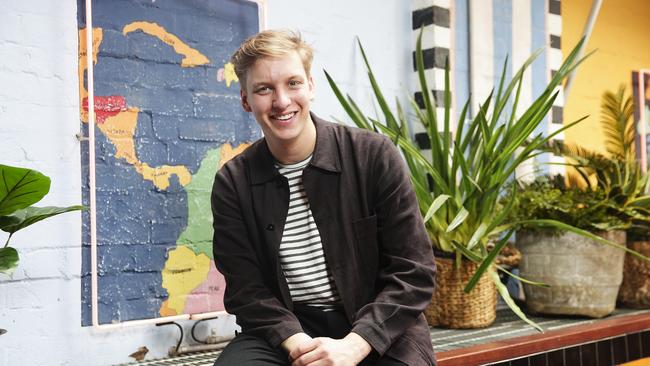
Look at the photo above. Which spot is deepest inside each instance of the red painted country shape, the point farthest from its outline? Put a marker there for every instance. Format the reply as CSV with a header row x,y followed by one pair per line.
x,y
107,106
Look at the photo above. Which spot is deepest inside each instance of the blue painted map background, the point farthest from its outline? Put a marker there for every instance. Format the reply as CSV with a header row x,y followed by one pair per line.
x,y
167,115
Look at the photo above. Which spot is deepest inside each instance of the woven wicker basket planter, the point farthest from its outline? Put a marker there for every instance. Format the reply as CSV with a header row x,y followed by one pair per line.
x,y
635,289
451,307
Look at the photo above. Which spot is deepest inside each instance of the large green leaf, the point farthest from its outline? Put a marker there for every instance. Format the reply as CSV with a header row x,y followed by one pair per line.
x,y
487,262
30,215
617,124
8,260
20,188
460,217
435,206
503,290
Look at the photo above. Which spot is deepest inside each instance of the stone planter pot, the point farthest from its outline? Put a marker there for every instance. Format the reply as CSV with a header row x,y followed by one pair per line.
x,y
584,275
635,289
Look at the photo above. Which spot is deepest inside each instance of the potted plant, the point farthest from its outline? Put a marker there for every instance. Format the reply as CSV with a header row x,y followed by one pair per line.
x,y
460,184
605,196
583,276
20,188
617,110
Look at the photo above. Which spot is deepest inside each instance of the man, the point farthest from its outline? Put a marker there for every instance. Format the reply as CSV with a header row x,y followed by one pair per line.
x,y
317,230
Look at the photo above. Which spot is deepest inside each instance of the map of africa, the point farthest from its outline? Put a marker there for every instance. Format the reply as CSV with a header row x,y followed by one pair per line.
x,y
167,116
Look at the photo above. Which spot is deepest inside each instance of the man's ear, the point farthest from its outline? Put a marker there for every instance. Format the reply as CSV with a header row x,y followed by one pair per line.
x,y
244,101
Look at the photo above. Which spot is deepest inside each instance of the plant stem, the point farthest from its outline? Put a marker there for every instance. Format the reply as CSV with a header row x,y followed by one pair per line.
x,y
7,242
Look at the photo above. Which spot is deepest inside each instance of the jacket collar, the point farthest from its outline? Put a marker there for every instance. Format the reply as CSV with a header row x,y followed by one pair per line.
x,y
325,156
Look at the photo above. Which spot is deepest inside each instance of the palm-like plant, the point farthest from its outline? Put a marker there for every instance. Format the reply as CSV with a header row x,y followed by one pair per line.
x,y
460,186
618,175
618,125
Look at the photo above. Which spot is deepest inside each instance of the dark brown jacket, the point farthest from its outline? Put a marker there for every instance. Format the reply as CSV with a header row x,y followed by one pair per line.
x,y
373,237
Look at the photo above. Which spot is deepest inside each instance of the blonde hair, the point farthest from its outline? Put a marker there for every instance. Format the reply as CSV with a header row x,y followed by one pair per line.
x,y
270,43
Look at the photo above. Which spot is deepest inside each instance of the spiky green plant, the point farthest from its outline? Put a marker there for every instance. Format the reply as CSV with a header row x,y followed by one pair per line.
x,y
618,125
470,167
618,175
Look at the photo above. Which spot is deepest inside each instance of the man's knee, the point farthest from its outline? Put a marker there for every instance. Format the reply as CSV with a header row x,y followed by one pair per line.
x,y
246,350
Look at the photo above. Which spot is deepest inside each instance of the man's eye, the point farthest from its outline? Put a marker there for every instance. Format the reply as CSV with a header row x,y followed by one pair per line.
x,y
294,83
263,90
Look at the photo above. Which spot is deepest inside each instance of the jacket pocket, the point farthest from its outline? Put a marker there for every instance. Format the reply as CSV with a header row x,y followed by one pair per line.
x,y
365,231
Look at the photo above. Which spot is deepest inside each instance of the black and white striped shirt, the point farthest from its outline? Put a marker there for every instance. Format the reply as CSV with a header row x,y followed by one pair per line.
x,y
301,251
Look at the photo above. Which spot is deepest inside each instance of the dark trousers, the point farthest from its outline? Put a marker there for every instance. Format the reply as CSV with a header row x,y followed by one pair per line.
x,y
247,350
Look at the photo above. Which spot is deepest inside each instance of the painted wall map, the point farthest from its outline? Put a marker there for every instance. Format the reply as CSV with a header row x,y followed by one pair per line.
x,y
167,116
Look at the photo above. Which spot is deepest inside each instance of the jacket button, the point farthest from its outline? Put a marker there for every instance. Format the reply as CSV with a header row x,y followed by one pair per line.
x,y
270,227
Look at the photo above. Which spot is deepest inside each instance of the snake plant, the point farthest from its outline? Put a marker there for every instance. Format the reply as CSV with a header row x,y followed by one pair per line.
x,y
460,184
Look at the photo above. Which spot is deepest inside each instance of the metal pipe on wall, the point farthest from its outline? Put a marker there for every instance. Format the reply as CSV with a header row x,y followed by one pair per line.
x,y
91,162
586,34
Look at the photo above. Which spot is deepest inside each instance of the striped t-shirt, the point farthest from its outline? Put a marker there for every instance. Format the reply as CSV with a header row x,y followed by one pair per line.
x,y
301,251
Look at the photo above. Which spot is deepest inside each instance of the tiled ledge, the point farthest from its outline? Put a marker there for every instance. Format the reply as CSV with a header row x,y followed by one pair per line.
x,y
509,338
513,340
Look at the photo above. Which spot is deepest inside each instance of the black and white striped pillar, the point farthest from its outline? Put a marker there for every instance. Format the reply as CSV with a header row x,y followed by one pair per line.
x,y
434,17
554,31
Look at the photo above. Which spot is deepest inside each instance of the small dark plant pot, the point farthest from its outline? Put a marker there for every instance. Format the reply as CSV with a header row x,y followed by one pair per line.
x,y
584,276
635,289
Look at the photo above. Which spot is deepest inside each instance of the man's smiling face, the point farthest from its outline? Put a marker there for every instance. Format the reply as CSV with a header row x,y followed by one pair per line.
x,y
278,92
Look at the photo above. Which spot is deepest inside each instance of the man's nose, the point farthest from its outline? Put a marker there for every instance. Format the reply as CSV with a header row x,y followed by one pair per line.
x,y
281,100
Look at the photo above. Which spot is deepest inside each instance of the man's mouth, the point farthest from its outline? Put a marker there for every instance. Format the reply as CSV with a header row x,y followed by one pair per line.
x,y
283,117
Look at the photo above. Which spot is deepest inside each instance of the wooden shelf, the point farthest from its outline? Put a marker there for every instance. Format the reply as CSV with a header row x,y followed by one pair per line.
x,y
572,335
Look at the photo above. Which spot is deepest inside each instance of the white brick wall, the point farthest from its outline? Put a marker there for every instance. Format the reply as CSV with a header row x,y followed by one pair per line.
x,y
40,304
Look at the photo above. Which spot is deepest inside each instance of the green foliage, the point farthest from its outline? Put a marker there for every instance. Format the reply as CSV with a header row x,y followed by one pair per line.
x,y
30,215
20,188
460,184
550,198
618,125
618,177
470,165
551,205
608,193
8,259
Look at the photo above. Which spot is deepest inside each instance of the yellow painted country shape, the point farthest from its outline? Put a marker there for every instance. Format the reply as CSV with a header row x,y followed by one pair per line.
x,y
191,57
98,36
160,175
227,152
120,128
229,74
183,272
165,310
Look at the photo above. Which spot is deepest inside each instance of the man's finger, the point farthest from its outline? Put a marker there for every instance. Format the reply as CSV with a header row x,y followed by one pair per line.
x,y
311,358
303,348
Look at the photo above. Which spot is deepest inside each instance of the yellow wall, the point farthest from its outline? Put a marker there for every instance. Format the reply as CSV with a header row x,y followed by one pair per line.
x,y
622,36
